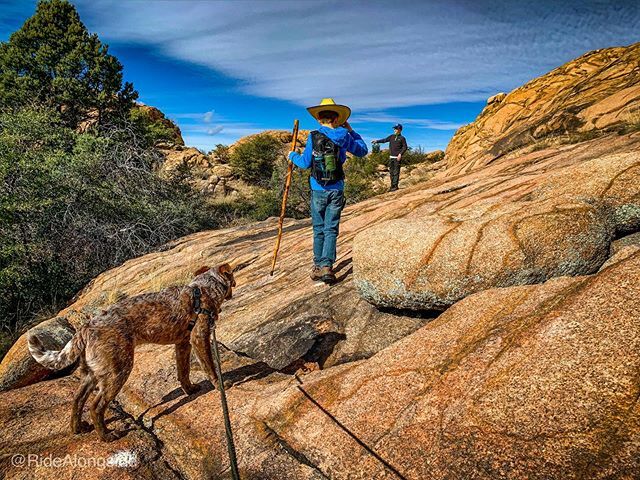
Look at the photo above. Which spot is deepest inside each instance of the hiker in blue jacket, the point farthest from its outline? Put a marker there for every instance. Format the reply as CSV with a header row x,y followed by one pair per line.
x,y
325,154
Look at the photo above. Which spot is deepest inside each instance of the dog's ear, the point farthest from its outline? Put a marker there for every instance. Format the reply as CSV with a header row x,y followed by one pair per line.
x,y
200,270
225,268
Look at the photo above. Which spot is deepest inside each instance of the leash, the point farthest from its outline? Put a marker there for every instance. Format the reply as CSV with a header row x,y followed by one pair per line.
x,y
231,448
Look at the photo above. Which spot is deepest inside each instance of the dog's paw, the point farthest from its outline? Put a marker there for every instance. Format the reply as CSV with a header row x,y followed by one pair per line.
x,y
110,437
191,388
308,367
82,427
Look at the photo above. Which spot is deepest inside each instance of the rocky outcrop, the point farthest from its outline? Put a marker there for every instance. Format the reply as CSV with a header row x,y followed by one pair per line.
x,y
283,136
156,116
596,92
539,179
550,226
206,173
212,174
535,381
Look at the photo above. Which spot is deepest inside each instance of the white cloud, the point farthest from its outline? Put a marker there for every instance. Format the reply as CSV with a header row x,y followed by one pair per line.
x,y
371,55
205,136
381,117
207,116
215,130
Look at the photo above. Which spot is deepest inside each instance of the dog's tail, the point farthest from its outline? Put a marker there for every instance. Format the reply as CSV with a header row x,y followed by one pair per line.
x,y
56,359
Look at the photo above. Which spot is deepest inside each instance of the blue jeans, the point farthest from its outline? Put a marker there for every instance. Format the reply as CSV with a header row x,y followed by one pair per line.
x,y
326,207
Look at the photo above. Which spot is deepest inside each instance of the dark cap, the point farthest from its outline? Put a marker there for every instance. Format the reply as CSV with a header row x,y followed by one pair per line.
x,y
398,126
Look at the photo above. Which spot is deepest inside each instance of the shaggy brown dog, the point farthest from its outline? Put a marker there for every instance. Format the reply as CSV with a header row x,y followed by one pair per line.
x,y
105,345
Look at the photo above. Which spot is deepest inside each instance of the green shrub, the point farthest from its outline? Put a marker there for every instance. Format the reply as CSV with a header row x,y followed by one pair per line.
x,y
73,205
221,152
253,161
6,340
151,131
268,202
360,177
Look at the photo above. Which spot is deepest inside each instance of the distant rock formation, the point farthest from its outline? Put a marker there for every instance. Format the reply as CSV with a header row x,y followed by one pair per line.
x,y
283,136
596,92
153,115
156,115
213,175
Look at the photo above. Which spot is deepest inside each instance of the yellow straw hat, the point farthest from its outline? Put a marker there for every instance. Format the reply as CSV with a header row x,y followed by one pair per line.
x,y
328,104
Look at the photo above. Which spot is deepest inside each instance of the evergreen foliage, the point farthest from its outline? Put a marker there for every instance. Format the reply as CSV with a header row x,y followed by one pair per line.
x,y
53,61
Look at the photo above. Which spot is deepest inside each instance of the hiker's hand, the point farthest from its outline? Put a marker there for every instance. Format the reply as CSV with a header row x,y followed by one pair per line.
x,y
399,156
374,142
347,126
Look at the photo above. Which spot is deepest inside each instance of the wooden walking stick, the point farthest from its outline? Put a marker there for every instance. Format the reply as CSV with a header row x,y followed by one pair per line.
x,y
287,185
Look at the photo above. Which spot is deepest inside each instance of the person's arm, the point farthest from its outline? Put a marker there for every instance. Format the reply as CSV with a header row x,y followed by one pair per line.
x,y
303,160
404,146
356,144
383,140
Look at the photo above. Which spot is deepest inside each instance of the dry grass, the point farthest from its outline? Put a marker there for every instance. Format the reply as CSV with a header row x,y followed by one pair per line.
x,y
633,123
566,139
172,279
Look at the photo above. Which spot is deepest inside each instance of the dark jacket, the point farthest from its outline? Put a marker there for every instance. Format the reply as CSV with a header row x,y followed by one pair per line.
x,y
397,144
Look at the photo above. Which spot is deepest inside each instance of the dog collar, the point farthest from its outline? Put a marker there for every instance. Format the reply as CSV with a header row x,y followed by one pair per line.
x,y
197,308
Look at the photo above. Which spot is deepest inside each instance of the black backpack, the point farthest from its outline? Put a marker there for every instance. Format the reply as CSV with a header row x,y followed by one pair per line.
x,y
326,167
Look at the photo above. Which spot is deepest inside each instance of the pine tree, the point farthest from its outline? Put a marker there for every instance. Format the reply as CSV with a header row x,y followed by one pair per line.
x,y
55,62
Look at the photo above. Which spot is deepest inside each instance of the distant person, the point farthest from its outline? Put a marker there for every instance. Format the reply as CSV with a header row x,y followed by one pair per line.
x,y
325,154
397,147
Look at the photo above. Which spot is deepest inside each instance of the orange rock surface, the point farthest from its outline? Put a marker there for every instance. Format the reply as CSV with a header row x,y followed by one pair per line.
x,y
598,91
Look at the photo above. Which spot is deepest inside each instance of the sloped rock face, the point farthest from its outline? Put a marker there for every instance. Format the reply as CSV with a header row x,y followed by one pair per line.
x,y
35,429
412,174
597,91
554,227
525,382
536,381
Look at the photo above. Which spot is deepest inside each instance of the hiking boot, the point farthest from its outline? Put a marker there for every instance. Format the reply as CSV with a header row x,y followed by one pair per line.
x,y
316,273
393,189
328,276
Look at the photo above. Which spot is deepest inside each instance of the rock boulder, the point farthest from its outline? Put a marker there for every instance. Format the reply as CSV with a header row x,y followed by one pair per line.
x,y
554,228
596,92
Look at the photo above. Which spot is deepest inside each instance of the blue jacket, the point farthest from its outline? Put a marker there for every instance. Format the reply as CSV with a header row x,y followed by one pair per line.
x,y
348,141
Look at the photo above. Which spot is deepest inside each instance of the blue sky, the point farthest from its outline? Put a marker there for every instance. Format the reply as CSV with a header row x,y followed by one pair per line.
x,y
225,69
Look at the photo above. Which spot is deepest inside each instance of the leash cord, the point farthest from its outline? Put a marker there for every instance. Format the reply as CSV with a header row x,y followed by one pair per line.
x,y
225,409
